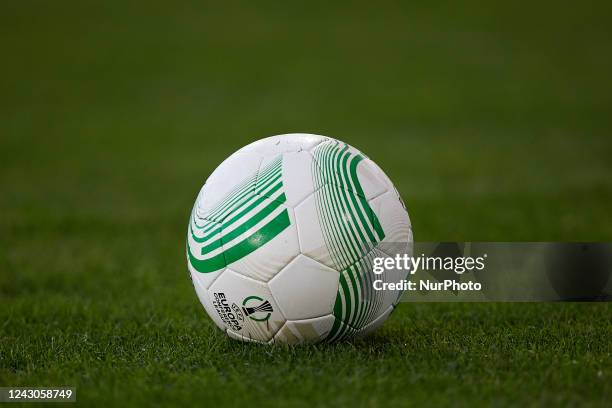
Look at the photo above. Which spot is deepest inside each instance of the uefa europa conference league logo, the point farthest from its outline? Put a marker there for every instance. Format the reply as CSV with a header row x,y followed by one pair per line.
x,y
253,307
260,312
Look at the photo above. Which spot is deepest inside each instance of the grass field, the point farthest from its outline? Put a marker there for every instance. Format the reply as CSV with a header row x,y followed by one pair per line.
x,y
492,120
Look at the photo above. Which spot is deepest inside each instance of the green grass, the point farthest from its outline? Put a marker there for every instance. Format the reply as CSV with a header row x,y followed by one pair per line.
x,y
492,120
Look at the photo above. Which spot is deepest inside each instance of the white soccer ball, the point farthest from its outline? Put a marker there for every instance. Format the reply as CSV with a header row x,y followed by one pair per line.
x,y
282,237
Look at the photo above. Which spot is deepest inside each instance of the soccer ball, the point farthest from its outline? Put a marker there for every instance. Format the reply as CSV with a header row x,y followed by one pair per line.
x,y
282,237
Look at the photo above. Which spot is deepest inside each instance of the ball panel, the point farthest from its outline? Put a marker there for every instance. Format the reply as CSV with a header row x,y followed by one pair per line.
x,y
375,324
203,296
357,303
228,199
245,306
389,297
245,223
349,226
372,181
271,242
393,217
343,165
231,175
307,331
340,331
381,175
305,289
291,142
240,337
312,242
296,173
203,280
399,239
